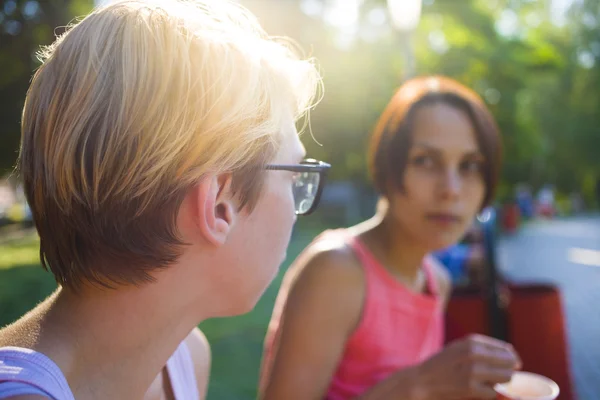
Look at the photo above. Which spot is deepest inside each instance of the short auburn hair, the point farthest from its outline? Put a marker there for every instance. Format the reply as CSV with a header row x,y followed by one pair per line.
x,y
129,109
391,139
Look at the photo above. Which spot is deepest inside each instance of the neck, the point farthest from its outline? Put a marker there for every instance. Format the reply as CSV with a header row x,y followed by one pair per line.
x,y
400,252
112,343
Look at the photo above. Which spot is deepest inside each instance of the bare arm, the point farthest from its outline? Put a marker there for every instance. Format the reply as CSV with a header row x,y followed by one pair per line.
x,y
326,292
200,351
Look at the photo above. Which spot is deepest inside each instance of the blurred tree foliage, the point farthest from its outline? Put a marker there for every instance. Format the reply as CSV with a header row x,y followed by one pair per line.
x,y
25,25
539,74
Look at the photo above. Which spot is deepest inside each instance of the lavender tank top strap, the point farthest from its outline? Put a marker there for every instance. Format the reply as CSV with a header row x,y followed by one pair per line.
x,y
27,372
182,374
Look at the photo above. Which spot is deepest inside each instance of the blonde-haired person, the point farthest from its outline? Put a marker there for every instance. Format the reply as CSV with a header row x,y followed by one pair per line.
x,y
164,171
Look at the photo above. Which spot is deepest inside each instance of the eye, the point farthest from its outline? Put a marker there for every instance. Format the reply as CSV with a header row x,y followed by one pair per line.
x,y
423,161
471,166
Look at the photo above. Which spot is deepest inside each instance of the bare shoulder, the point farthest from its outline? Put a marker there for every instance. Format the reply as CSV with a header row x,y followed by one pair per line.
x,y
328,263
201,356
328,258
326,282
442,277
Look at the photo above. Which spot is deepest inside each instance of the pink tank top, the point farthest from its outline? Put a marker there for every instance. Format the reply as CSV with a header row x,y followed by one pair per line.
x,y
398,328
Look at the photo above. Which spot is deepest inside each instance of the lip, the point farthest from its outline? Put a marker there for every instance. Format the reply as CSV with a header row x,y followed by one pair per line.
x,y
444,218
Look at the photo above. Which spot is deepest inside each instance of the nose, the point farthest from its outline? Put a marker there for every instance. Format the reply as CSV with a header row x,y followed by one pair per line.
x,y
451,184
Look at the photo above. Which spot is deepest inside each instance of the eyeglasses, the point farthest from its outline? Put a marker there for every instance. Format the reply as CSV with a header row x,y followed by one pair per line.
x,y
309,180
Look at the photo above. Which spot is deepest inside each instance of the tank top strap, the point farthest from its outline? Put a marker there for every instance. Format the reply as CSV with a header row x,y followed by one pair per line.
x,y
25,371
375,273
432,283
180,367
364,255
372,265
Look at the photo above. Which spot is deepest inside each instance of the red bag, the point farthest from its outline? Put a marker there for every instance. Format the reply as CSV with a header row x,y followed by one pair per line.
x,y
529,316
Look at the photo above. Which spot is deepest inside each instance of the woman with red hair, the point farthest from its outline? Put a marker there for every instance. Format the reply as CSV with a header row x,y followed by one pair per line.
x,y
360,313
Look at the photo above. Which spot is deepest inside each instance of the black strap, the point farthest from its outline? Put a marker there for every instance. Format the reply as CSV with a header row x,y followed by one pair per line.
x,y
497,313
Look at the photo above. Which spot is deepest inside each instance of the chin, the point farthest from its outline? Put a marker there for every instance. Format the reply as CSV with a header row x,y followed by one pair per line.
x,y
442,242
251,300
240,307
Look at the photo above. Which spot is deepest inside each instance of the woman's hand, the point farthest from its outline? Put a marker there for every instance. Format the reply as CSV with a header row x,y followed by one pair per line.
x,y
467,369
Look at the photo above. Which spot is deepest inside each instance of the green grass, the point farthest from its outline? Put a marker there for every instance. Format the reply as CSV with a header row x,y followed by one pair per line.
x,y
23,282
236,342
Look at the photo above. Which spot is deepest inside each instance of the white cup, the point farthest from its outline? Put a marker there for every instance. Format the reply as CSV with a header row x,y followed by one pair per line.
x,y
527,386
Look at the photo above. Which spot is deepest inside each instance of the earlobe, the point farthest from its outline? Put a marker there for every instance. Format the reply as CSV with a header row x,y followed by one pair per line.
x,y
216,208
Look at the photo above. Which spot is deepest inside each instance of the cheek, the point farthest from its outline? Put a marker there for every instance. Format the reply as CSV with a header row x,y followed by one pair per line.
x,y
419,187
278,209
474,191
406,207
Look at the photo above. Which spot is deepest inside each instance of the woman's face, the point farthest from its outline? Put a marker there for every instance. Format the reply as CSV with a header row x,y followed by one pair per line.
x,y
443,180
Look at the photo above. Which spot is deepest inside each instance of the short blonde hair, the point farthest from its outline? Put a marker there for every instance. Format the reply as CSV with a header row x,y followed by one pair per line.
x,y
129,109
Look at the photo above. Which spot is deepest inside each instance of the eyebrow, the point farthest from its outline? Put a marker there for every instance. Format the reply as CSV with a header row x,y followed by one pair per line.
x,y
475,152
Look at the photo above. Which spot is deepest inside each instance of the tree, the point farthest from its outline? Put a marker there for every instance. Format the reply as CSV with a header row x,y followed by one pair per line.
x,y
541,80
24,26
